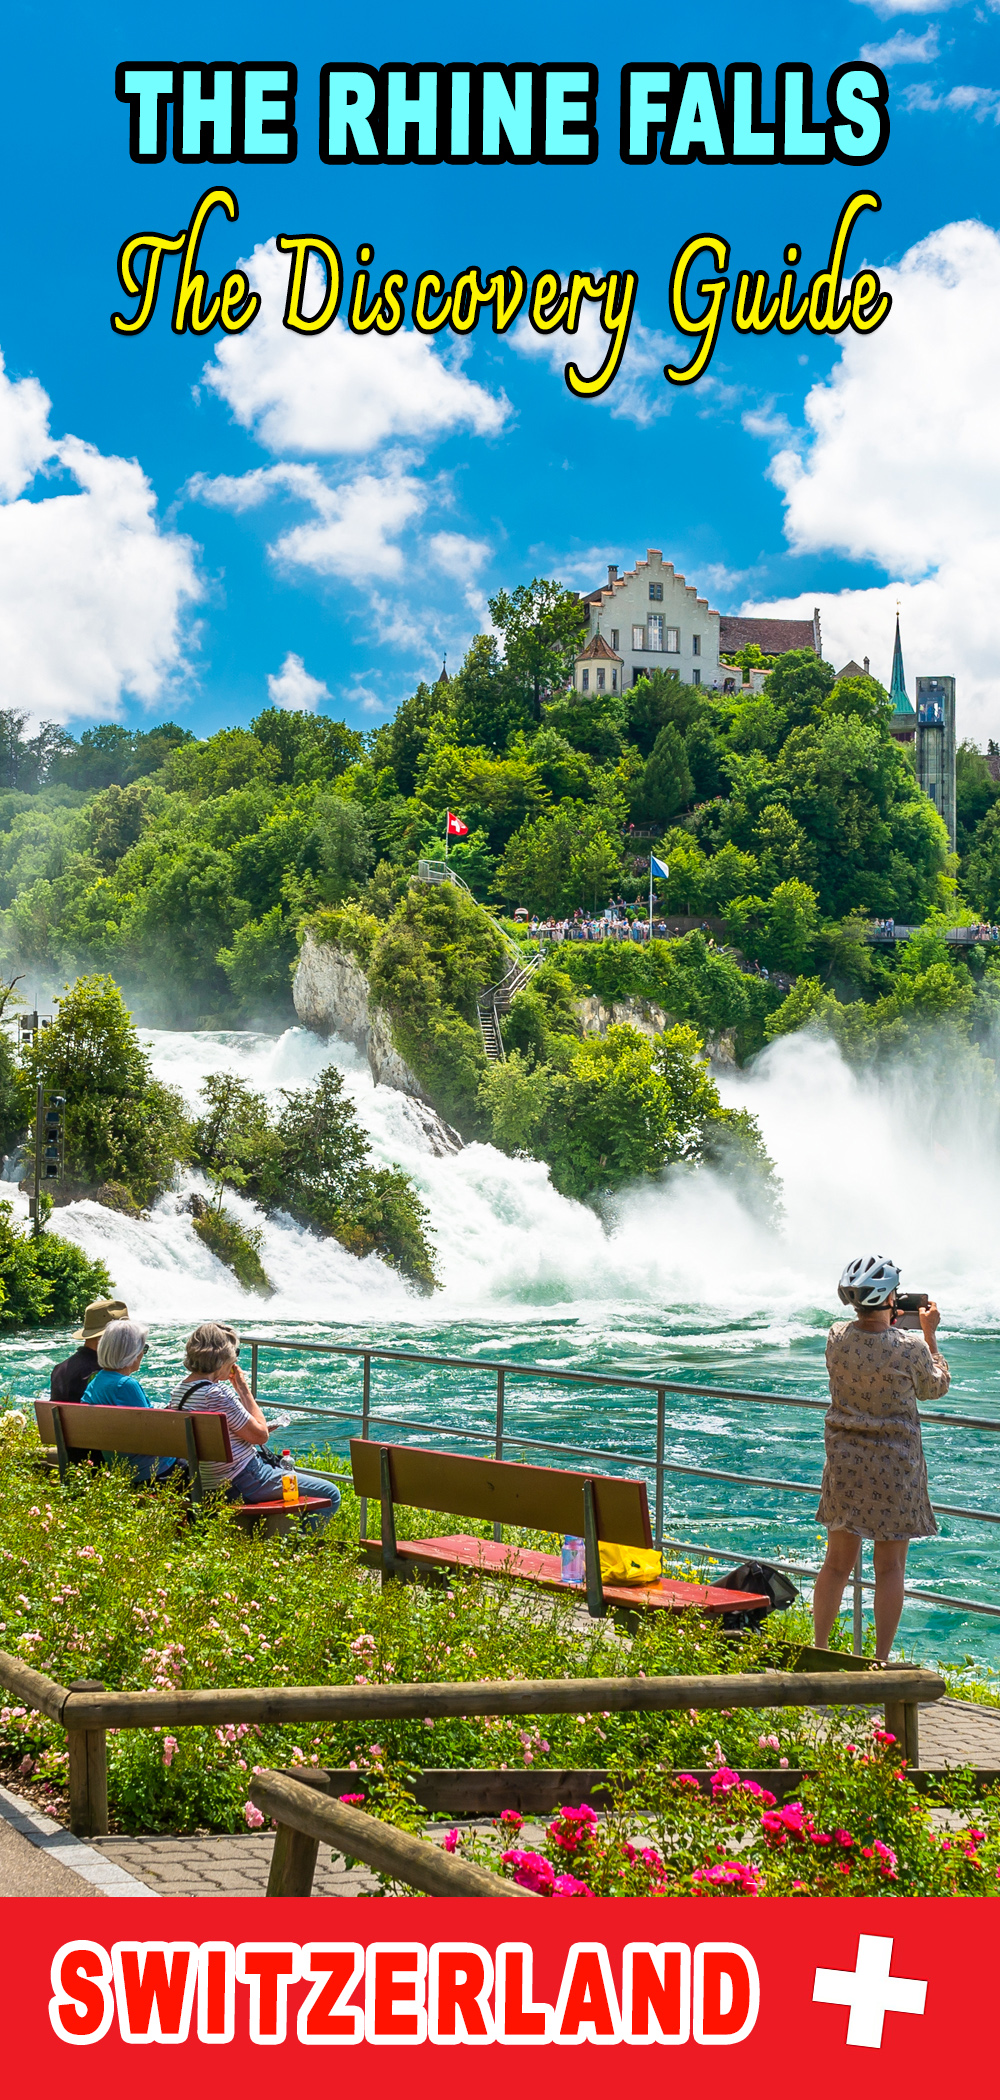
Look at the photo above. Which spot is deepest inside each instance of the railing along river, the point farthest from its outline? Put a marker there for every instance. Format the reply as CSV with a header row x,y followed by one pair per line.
x,y
501,1437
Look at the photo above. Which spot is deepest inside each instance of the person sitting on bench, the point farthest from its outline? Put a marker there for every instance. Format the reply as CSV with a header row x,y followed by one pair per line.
x,y
70,1379
120,1351
215,1384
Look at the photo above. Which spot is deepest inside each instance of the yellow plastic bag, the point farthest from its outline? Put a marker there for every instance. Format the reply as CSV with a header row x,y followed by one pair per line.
x,y
624,1564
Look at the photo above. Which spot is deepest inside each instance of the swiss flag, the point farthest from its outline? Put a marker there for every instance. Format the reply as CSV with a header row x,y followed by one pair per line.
x,y
455,827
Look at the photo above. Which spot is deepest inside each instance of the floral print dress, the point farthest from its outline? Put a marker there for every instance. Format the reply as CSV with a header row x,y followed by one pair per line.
x,y
875,1476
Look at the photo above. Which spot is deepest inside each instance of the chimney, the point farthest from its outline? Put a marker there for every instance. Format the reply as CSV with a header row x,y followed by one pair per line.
x,y
612,573
866,666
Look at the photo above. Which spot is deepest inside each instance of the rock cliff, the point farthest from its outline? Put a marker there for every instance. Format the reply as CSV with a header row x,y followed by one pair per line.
x,y
330,992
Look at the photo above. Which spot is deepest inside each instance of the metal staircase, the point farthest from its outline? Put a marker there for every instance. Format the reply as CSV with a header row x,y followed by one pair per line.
x,y
498,998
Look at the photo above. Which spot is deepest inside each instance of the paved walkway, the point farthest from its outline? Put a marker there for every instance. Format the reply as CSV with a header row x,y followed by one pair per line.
x,y
40,1858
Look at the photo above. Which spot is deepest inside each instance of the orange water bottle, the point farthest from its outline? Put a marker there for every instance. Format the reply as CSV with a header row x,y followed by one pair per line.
x,y
289,1479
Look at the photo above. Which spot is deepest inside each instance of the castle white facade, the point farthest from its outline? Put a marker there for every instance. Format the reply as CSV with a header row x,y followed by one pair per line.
x,y
653,621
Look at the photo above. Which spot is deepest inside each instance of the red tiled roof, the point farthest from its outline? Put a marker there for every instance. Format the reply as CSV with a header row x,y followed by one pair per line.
x,y
773,637
597,646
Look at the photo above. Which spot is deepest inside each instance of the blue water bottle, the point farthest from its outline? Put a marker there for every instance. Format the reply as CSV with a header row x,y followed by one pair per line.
x,y
574,1558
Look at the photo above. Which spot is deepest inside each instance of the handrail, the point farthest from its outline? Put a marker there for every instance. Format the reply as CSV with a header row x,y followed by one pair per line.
x,y
603,1378
88,1710
306,1820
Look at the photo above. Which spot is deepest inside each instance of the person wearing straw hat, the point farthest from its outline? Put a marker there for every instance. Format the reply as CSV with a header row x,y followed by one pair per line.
x,y
71,1378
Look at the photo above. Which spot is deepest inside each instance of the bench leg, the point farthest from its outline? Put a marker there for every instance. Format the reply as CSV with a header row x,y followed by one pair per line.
x,y
88,1772
293,1863
391,1570
595,1587
903,1721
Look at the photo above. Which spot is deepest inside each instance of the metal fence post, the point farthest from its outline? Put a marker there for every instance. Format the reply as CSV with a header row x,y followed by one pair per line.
x,y
858,1595
366,1395
661,1425
253,1369
498,1449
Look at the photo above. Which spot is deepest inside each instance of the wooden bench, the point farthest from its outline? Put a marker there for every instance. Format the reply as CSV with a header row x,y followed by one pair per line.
x,y
541,1498
160,1432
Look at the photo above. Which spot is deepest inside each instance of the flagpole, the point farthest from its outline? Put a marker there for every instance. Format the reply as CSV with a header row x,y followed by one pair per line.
x,y
447,818
649,935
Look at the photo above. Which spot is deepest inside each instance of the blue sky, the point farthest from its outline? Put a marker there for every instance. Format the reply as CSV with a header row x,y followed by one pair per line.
x,y
346,507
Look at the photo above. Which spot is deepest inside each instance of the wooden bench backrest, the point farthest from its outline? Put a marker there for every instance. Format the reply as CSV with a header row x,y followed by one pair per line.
x,y
146,1432
539,1497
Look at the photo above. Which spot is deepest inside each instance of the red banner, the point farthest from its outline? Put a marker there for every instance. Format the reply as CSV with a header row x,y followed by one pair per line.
x,y
758,1991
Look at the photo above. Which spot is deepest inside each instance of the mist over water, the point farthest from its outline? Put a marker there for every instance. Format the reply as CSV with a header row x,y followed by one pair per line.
x,y
678,1282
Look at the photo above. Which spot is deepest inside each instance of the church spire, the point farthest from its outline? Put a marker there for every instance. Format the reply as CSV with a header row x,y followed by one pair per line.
x,y
897,690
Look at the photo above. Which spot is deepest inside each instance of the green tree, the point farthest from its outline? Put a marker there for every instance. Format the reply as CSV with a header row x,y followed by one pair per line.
x,y
569,857
486,704
310,748
117,819
229,759
590,722
659,697
437,953
666,784
320,1170
515,1095
122,1125
976,791
780,930
542,625
981,867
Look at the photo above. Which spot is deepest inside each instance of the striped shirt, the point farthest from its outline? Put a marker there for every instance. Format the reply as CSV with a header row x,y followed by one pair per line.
x,y
199,1395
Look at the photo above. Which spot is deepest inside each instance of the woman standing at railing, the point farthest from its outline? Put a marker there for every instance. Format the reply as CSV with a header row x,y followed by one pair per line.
x,y
875,1476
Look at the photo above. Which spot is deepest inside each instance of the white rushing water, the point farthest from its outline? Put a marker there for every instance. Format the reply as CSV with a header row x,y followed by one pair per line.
x,y
863,1165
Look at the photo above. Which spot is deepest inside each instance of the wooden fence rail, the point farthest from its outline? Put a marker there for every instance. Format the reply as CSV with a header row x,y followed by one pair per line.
x,y
306,1820
86,1710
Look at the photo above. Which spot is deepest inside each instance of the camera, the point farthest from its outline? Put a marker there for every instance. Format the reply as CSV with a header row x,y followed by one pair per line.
x,y
908,1308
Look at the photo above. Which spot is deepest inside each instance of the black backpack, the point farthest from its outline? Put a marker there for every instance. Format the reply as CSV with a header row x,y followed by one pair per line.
x,y
760,1580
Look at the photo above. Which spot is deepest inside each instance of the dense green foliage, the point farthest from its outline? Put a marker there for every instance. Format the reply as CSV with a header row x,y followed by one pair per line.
x,y
313,1161
44,1282
157,1601
122,1125
235,1244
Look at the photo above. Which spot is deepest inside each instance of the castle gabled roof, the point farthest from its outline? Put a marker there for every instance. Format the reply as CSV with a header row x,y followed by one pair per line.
x,y
597,646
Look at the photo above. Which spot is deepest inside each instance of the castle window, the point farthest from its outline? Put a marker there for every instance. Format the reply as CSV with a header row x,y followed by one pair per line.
x,y
614,681
638,637
600,681
586,681
656,593
696,645
656,630
696,677
673,640
614,637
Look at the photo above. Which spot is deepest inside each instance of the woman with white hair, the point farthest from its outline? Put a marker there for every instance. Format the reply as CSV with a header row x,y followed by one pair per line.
x,y
120,1351
875,1476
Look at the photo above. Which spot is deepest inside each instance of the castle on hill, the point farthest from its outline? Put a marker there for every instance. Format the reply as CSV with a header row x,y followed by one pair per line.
x,y
651,619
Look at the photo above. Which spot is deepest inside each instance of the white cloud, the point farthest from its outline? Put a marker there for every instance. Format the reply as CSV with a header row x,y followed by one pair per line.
x,y
900,466
24,432
294,688
458,556
339,393
92,593
976,102
638,393
891,8
903,49
355,523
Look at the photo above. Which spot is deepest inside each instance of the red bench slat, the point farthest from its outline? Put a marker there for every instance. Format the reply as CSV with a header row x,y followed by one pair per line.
x,y
459,1550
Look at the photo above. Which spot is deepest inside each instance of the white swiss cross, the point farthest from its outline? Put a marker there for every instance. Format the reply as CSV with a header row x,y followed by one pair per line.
x,y
870,1991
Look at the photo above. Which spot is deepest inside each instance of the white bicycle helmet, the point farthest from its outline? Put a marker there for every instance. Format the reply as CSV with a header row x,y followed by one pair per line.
x,y
870,1280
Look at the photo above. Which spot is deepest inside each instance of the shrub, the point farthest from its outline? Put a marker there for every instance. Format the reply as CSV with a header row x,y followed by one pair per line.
x,y
45,1281
238,1246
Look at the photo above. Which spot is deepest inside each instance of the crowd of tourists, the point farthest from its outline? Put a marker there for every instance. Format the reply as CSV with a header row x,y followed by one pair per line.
x,y
104,1372
616,923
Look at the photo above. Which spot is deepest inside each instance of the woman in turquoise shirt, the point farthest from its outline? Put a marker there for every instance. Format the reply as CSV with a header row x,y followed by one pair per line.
x,y
119,1354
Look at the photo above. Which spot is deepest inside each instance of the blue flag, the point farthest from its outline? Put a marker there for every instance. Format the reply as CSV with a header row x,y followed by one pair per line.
x,y
657,866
